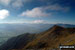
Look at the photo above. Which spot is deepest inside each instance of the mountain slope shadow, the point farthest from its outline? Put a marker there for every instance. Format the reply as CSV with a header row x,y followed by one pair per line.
x,y
17,42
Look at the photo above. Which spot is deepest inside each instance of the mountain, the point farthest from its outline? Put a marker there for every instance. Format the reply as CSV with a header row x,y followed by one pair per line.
x,y
23,28
46,40
66,25
10,30
51,38
18,41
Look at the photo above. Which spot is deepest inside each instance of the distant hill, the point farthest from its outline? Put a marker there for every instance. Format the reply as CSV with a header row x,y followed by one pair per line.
x,y
48,39
66,25
10,30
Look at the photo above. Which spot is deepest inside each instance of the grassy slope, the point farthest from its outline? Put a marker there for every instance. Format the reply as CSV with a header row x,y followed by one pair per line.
x,y
52,38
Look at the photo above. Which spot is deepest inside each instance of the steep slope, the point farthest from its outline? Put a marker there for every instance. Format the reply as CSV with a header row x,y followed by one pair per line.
x,y
48,39
18,42
51,38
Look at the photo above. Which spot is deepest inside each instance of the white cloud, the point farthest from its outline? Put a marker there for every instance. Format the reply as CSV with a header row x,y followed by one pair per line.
x,y
38,21
14,3
56,7
41,11
5,2
27,21
35,12
4,13
17,3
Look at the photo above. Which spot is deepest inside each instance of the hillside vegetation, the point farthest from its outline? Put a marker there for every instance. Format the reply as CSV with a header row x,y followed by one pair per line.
x,y
49,39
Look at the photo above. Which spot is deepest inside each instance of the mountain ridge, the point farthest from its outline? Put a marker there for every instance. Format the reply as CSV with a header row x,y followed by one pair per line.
x,y
48,39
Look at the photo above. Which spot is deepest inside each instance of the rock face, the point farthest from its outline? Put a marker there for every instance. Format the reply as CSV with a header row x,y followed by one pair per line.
x,y
48,39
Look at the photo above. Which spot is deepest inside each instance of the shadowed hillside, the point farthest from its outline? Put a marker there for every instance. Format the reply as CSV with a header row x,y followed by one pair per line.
x,y
18,42
48,39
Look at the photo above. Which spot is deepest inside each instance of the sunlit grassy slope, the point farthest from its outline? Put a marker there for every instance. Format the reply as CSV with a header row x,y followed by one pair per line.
x,y
52,38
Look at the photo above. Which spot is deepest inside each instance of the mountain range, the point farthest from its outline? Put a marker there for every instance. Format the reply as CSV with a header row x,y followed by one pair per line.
x,y
48,39
10,30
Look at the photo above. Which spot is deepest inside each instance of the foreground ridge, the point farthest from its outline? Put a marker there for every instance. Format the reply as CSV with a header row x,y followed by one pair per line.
x,y
49,39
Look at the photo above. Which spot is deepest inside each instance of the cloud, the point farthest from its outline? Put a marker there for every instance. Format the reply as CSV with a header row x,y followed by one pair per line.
x,y
38,21
35,12
56,7
14,3
42,11
5,2
27,21
17,3
4,13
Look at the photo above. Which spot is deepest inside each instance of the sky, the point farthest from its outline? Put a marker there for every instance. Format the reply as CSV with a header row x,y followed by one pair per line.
x,y
37,11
